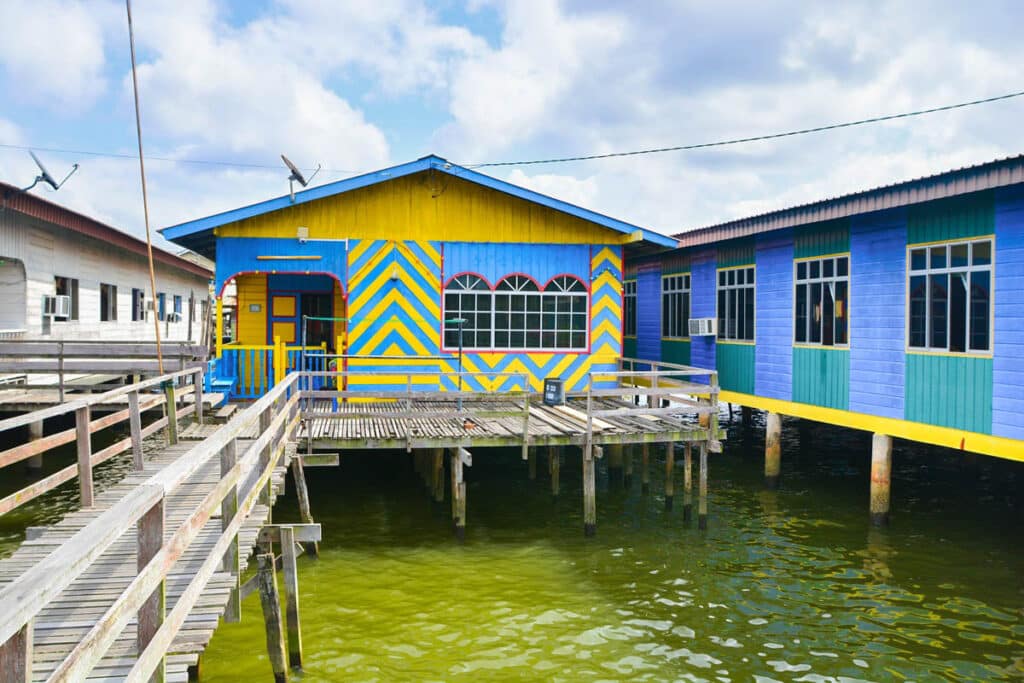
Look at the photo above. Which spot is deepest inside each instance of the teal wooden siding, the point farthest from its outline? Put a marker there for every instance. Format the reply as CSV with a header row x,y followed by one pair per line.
x,y
735,364
736,253
949,391
821,377
819,239
951,219
675,351
629,347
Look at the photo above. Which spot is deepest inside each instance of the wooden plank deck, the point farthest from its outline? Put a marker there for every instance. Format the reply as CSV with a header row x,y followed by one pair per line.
x,y
65,621
27,400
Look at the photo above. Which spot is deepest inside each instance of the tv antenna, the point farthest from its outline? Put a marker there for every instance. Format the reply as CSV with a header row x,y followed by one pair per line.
x,y
296,176
45,176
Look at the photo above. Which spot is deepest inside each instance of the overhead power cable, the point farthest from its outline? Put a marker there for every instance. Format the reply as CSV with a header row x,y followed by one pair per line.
x,y
756,138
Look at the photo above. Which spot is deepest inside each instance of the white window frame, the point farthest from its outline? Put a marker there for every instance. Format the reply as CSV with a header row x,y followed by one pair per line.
x,y
723,332
629,322
824,281
676,288
950,271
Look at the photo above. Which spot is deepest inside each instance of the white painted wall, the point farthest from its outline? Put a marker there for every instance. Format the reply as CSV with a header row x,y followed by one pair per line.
x,y
48,250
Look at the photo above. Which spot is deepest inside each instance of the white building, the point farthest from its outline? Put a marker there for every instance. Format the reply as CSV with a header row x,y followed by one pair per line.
x,y
48,252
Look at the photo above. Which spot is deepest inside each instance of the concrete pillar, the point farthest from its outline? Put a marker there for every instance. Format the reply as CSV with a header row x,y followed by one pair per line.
x,y
35,432
772,450
881,472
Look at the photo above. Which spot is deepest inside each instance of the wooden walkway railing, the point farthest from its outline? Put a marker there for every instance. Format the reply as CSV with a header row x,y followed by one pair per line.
x,y
245,480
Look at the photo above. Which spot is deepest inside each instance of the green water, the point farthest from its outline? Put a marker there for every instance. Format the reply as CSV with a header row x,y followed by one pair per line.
x,y
790,585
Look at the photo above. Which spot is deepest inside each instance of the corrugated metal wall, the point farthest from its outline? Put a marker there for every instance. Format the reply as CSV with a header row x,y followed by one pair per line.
x,y
878,283
676,261
950,219
702,305
1008,361
735,363
950,391
648,313
819,239
774,315
736,253
821,376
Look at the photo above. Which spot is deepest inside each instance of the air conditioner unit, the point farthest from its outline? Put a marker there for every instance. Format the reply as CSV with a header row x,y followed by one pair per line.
x,y
703,327
57,306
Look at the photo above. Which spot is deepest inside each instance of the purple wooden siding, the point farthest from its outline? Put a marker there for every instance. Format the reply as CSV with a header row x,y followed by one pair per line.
x,y
878,245
648,312
1008,357
774,329
702,305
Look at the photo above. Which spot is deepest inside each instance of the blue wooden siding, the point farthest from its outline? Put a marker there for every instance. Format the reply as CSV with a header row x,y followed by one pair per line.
x,y
950,391
540,261
1008,360
735,363
773,313
877,308
238,255
702,305
648,313
821,376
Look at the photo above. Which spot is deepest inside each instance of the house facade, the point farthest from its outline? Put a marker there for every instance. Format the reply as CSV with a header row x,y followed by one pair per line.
x,y
48,251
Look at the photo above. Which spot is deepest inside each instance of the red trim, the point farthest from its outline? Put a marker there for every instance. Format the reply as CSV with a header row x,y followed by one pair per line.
x,y
45,210
514,274
266,273
444,285
574,277
529,277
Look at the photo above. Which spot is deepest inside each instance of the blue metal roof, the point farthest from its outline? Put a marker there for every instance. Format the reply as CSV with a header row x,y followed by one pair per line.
x,y
189,232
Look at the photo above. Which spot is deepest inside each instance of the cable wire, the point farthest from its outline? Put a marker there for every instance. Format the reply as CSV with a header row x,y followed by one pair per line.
x,y
756,138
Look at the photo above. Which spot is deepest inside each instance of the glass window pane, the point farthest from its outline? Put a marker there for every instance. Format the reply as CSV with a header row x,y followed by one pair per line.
x,y
579,340
801,270
938,296
800,333
750,276
842,266
918,310
533,340
483,340
738,308
732,317
957,311
827,315
731,277
981,253
827,267
938,256
533,303
841,311
739,276
749,314
721,278
815,313
958,255
517,339
980,307
918,259
547,340
501,339
815,267
721,314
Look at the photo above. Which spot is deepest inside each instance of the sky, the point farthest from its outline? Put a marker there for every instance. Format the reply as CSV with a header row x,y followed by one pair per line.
x,y
360,85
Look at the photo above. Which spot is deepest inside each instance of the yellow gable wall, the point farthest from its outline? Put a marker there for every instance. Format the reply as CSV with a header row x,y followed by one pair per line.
x,y
426,206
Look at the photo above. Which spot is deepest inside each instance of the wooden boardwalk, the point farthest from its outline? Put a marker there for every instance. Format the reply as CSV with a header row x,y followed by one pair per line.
x,y
20,400
62,624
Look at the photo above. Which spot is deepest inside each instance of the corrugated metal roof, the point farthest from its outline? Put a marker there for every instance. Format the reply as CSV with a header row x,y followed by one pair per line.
x,y
986,176
13,199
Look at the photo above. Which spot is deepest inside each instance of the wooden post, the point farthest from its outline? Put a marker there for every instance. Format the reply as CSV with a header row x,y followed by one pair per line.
x,y
554,468
197,383
302,494
531,461
84,440
172,413
589,492
16,656
670,471
645,468
291,596
459,457
687,481
772,450
151,614
135,426
35,432
267,581
438,464
881,473
702,502
228,509
628,466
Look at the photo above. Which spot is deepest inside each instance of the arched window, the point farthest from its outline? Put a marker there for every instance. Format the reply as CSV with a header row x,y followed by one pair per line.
x,y
564,320
517,313
467,297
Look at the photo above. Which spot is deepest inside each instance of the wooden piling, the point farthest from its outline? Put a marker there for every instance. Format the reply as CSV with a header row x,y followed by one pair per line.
x,y
172,413
589,492
267,582
688,482
702,501
772,450
438,478
302,494
645,468
459,457
881,473
84,443
135,427
35,432
16,656
531,462
228,508
554,468
151,613
291,596
670,469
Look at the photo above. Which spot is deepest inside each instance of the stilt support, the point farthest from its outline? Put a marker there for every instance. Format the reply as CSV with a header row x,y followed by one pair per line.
x,y
589,492
688,482
881,472
772,450
645,468
702,501
670,470
302,493
267,579
291,596
459,457
438,470
531,463
554,468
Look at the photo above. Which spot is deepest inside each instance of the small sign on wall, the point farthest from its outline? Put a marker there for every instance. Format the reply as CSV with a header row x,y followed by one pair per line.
x,y
255,308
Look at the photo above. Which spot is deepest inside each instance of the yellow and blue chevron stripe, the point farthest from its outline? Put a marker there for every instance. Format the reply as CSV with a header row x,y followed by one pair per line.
x,y
605,312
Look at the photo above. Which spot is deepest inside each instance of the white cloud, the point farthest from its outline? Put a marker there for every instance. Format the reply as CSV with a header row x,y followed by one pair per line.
x,y
581,192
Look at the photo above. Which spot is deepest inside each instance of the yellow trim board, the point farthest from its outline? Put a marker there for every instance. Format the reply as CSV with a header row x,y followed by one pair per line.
x,y
823,256
997,446
734,342
950,354
745,265
955,240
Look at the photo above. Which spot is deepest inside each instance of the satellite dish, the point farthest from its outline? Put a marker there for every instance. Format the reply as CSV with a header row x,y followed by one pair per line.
x,y
44,175
297,176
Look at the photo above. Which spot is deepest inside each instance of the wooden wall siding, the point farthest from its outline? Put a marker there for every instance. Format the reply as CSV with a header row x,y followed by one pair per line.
x,y
251,327
735,364
877,313
540,261
820,239
1008,360
648,313
675,351
423,207
674,262
821,377
702,305
774,315
735,253
950,391
238,255
950,219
